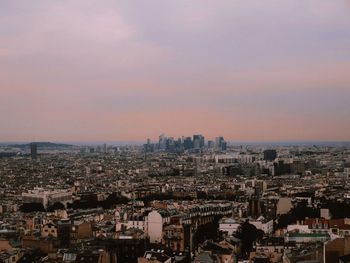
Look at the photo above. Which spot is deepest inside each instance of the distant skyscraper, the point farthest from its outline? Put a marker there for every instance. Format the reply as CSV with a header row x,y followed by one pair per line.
x,y
218,141
162,142
221,143
270,155
202,141
188,143
211,144
198,141
170,144
223,146
33,150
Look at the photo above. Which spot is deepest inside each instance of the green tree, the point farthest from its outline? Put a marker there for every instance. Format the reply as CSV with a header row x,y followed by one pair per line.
x,y
32,207
248,234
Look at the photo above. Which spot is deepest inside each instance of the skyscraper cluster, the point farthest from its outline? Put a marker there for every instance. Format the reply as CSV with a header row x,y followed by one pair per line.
x,y
194,143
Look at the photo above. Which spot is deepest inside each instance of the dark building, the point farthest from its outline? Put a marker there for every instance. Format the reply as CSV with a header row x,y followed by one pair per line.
x,y
120,250
254,208
198,141
188,143
224,146
33,150
148,147
270,155
221,144
232,170
211,144
63,232
282,168
297,167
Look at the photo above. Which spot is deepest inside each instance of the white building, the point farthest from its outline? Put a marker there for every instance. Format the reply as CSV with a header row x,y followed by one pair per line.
x,y
324,213
263,224
298,228
151,225
47,197
155,227
284,205
136,221
228,225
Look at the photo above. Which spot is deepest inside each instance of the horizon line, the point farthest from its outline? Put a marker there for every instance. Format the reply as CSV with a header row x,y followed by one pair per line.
x,y
156,141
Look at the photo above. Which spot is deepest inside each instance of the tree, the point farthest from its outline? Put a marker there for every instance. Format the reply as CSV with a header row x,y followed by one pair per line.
x,y
32,207
207,231
112,200
297,213
56,206
248,234
337,209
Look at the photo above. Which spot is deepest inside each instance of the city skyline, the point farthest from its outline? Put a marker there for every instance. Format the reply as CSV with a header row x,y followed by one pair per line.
x,y
126,71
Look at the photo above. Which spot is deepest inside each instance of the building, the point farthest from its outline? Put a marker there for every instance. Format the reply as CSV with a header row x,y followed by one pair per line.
x,y
284,205
81,230
339,227
188,144
263,224
33,150
177,237
218,141
154,257
337,248
228,225
198,141
49,229
306,237
177,234
162,142
151,224
211,144
155,226
47,197
270,155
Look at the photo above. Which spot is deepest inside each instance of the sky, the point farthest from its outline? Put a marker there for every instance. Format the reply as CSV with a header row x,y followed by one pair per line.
x,y
250,70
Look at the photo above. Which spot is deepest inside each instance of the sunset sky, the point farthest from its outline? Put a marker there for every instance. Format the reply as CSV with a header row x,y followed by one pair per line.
x,y
80,70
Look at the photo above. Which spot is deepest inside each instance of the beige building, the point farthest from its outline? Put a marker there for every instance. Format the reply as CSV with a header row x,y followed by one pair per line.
x,y
49,229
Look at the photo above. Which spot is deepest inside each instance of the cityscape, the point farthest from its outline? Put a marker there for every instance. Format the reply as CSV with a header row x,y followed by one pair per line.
x,y
174,131
175,200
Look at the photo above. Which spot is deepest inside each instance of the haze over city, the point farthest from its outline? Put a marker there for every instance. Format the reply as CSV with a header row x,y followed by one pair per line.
x,y
127,70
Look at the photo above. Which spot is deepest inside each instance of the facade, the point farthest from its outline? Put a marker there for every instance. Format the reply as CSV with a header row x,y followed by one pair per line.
x,y
270,155
49,229
337,248
338,227
177,237
284,205
228,225
155,226
262,224
150,224
306,237
33,150
47,197
154,257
